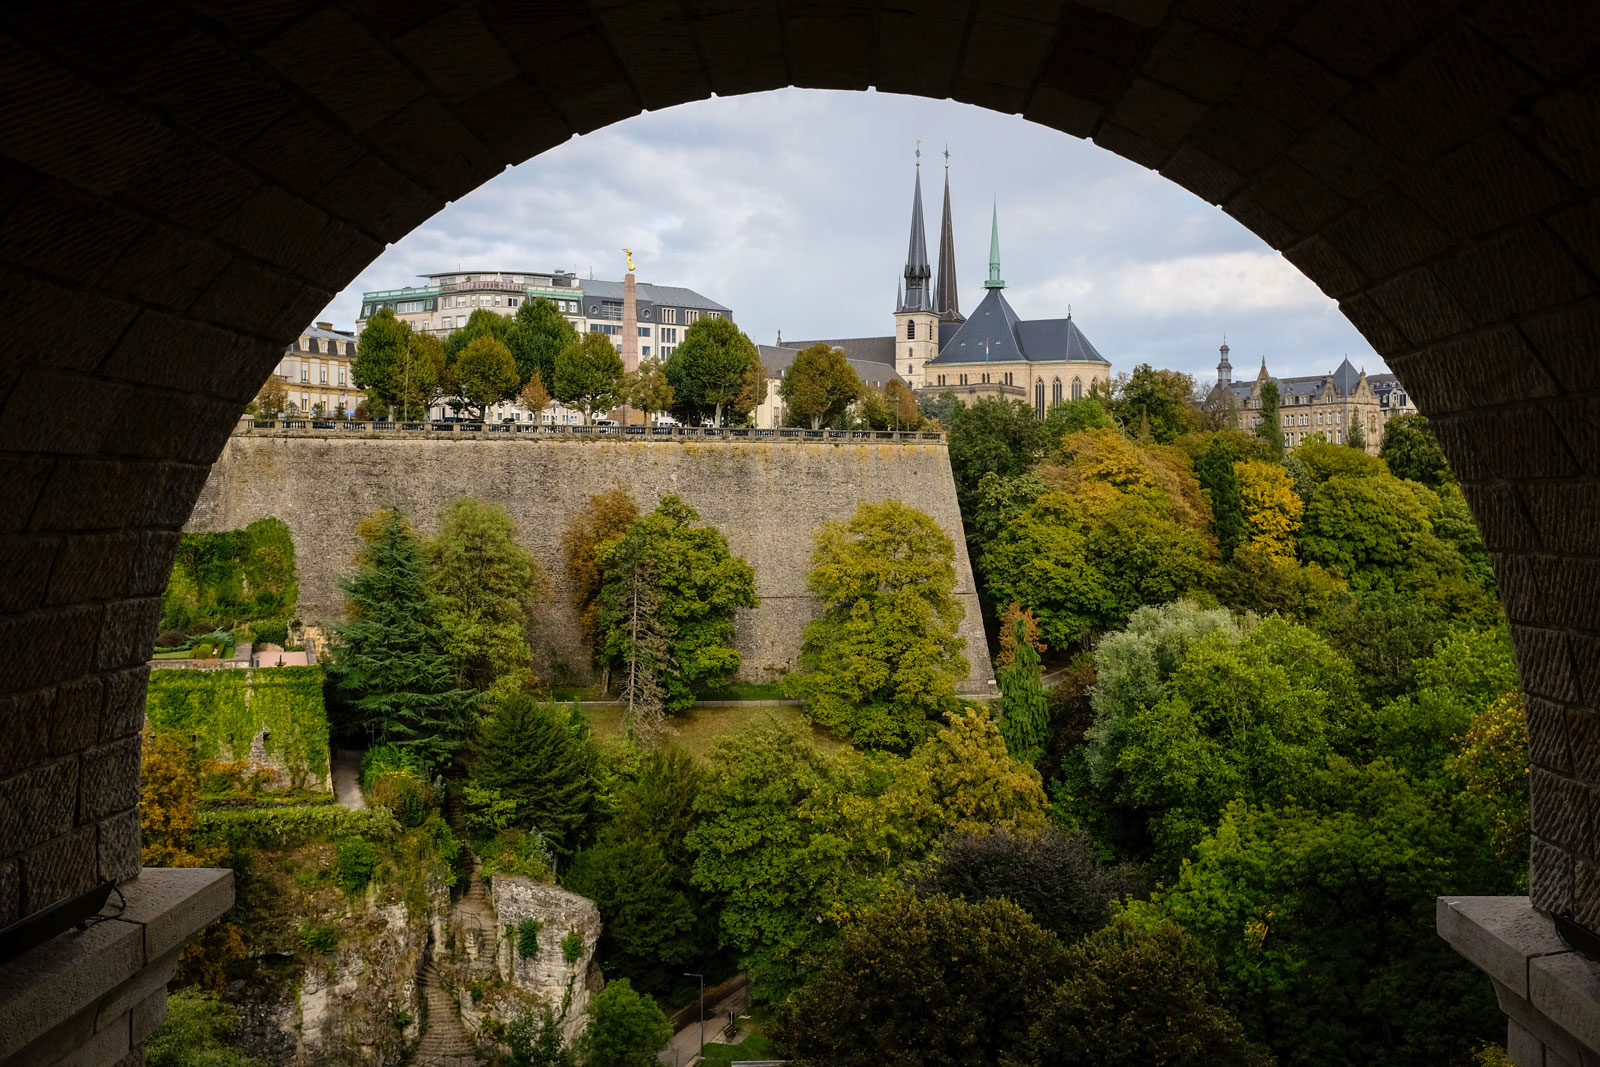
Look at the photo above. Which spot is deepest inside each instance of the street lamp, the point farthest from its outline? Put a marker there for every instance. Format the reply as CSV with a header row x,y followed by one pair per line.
x,y
702,1011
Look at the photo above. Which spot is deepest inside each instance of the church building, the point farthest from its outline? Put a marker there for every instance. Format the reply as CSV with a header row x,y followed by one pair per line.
x,y
993,352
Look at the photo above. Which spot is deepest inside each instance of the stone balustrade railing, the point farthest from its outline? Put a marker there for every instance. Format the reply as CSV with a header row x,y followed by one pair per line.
x,y
342,427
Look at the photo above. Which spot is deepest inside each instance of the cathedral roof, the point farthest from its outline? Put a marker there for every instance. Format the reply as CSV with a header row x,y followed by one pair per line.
x,y
946,301
867,349
777,358
994,334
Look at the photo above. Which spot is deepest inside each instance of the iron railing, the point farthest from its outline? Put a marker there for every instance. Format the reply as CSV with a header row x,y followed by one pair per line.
x,y
342,427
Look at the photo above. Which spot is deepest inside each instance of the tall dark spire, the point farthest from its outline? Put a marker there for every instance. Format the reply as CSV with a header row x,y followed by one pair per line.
x,y
945,299
917,297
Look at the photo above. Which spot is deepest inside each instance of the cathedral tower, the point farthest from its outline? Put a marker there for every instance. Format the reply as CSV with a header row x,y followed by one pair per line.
x,y
916,319
945,299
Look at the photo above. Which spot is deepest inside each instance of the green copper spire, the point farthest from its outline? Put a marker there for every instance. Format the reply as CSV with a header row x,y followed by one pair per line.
x,y
995,281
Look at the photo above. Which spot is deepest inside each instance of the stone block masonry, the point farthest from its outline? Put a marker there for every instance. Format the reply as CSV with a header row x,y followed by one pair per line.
x,y
768,498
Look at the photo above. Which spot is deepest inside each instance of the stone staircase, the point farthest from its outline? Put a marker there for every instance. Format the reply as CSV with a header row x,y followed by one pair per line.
x,y
445,1042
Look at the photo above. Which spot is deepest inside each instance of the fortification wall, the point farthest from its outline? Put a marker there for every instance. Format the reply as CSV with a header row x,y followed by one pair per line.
x,y
768,497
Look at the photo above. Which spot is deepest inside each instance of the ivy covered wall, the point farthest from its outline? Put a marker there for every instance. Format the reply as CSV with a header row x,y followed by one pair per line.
x,y
273,716
233,577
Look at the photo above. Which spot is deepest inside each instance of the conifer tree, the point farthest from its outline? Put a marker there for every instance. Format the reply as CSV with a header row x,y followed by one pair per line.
x,y
390,657
1024,707
1220,481
541,763
645,651
1357,437
1270,430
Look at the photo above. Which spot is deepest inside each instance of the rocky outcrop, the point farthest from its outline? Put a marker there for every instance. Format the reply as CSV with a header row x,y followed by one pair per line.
x,y
547,974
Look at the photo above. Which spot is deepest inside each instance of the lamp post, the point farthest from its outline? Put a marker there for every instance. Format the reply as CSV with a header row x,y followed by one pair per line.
x,y
702,1011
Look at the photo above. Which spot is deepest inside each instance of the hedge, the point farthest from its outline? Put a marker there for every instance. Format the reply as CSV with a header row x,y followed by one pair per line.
x,y
288,827
222,711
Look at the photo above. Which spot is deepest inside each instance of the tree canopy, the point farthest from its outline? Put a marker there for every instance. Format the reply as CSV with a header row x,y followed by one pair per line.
x,y
537,334
401,370
483,374
588,375
819,385
1161,399
715,370
487,584
1411,451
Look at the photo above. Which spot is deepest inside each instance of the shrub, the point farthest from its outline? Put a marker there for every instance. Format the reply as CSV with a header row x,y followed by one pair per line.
x,y
402,1019
271,631
354,864
528,938
516,852
319,940
287,827
404,794
171,639
203,650
572,947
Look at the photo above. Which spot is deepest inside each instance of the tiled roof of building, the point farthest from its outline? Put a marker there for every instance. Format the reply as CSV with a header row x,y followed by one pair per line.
x,y
866,349
993,333
659,295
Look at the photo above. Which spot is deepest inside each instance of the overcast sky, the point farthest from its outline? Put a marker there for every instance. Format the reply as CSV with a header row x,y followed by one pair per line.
x,y
793,208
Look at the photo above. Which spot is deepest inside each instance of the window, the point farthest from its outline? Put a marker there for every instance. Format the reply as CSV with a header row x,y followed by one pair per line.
x,y
644,313
323,373
713,314
909,370
1055,392
511,301
669,334
447,323
644,331
1319,418
406,307
341,376
985,379
1077,388
1341,417
692,316
911,330
1038,398
1336,435
669,315
645,350
497,300
1288,420
305,373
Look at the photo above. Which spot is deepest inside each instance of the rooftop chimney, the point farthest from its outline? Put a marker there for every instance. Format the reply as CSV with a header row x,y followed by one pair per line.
x,y
325,326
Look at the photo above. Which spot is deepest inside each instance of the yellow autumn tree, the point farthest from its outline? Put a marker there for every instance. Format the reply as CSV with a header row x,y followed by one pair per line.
x,y
1272,510
963,779
169,802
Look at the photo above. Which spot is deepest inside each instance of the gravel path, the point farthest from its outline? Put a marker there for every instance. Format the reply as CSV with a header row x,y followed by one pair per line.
x,y
347,778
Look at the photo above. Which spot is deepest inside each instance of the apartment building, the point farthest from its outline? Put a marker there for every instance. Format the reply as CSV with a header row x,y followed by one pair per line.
x,y
315,371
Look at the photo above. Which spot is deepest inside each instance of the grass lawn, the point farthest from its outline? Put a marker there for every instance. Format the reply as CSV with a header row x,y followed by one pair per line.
x,y
698,728
754,1047
748,691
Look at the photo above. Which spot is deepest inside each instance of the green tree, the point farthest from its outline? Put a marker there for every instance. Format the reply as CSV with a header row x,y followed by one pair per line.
x,y
656,921
1410,450
902,404
1334,894
539,762
1134,997
819,385
626,1028
645,648
699,585
1220,481
1357,437
588,375
648,389
1164,398
1270,428
390,657
272,398
1003,437
400,370
882,661
1374,530
483,374
537,334
1024,718
1067,418
931,982
535,1040
1056,877
482,322
711,371
487,584
996,503
196,1033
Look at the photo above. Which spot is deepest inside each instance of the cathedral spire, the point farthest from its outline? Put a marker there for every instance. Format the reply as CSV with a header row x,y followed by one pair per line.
x,y
946,301
917,272
995,281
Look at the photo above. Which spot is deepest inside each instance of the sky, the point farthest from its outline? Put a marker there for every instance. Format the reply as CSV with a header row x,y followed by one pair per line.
x,y
793,208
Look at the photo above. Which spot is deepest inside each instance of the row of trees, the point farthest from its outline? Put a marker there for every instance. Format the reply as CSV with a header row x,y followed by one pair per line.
x,y
536,356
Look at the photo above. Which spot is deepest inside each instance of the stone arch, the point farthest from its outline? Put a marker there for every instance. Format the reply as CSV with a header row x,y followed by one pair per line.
x,y
164,237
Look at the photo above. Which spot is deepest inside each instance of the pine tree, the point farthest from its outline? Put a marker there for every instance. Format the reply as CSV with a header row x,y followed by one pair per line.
x,y
1357,437
1218,478
541,763
390,657
1024,707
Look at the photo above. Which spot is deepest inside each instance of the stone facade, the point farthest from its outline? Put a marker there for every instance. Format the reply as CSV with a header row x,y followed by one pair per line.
x,y
1331,404
548,975
768,498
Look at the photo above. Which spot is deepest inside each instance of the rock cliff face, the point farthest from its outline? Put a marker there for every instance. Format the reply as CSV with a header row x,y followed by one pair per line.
x,y
548,974
768,498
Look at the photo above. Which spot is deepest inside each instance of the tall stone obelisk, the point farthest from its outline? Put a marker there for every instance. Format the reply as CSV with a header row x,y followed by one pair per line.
x,y
630,320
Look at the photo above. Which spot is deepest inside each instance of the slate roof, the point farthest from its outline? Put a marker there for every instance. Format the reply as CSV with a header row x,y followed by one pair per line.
x,y
1345,379
866,349
777,358
994,334
658,295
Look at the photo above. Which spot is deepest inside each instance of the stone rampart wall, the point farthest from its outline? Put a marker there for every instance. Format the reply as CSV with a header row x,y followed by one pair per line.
x,y
768,498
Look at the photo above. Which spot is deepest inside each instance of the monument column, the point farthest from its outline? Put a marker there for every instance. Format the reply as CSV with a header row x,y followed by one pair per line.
x,y
630,334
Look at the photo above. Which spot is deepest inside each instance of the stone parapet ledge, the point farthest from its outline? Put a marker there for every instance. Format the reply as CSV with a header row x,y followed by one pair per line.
x,y
1550,994
90,997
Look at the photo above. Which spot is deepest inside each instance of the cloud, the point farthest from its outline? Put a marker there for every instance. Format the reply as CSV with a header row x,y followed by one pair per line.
x,y
792,208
